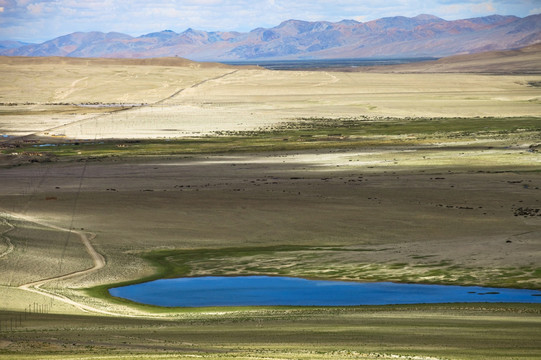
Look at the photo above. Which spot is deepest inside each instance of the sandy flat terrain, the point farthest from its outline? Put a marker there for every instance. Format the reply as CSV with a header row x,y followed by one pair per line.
x,y
186,101
39,95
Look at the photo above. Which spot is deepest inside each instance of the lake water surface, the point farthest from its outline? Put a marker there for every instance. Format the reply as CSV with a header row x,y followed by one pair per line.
x,y
324,63
265,290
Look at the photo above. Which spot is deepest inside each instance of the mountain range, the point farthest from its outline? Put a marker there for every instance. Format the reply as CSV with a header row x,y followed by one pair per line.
x,y
420,36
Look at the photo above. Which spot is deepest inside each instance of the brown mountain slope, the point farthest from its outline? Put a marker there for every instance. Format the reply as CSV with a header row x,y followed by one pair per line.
x,y
399,36
526,60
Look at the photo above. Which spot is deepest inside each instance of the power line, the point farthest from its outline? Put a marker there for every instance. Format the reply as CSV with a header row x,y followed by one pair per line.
x,y
73,210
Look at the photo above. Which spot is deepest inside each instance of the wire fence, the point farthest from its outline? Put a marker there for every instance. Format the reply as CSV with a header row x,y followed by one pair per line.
x,y
14,321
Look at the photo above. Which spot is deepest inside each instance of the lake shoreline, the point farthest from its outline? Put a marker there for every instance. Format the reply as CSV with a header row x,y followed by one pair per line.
x,y
212,291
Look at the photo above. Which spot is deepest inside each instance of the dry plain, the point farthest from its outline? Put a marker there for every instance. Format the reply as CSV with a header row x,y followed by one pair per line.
x,y
187,100
430,178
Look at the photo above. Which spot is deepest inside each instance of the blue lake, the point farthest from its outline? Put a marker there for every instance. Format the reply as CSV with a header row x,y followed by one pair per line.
x,y
265,290
325,63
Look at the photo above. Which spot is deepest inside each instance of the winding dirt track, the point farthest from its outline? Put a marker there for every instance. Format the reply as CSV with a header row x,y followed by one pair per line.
x,y
126,109
97,258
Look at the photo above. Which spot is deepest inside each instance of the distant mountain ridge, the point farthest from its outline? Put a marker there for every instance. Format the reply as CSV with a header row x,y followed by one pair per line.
x,y
420,36
9,44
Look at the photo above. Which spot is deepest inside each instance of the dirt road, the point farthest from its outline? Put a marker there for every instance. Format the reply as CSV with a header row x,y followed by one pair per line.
x,y
35,287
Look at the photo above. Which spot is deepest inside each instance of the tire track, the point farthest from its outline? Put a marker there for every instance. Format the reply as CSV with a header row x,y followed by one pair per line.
x,y
7,239
193,87
94,118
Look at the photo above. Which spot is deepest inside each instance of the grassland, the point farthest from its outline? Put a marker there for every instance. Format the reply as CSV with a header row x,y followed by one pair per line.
x,y
365,177
402,332
302,134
